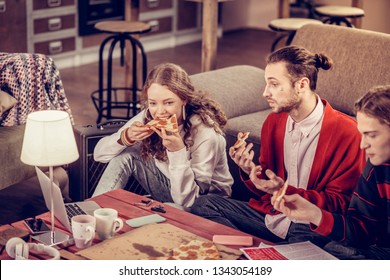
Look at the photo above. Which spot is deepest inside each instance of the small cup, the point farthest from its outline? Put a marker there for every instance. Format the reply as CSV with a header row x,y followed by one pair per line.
x,y
107,222
83,230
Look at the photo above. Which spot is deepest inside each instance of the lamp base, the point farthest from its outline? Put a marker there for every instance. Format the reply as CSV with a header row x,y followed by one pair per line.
x,y
52,238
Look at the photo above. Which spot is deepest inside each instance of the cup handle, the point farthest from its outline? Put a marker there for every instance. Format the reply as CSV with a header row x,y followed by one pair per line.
x,y
118,225
90,234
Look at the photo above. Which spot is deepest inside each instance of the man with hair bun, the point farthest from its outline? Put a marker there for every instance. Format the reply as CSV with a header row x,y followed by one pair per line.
x,y
304,142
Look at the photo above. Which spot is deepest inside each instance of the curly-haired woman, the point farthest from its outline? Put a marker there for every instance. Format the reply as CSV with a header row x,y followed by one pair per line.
x,y
172,167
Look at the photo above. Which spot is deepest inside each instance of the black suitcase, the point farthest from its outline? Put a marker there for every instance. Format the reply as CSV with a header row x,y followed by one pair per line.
x,y
85,173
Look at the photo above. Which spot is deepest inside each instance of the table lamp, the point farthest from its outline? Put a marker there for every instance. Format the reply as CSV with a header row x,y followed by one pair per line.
x,y
49,141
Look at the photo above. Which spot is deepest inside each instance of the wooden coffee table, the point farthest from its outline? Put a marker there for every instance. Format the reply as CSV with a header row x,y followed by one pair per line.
x,y
128,207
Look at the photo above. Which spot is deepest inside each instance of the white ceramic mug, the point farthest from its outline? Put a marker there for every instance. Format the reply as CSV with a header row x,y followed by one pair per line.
x,y
83,230
107,222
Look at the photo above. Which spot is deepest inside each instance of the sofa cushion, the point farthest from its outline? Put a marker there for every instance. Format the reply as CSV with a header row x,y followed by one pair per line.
x,y
252,123
6,102
13,170
241,84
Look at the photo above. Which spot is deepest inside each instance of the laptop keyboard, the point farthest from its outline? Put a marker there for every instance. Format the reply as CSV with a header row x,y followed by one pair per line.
x,y
73,210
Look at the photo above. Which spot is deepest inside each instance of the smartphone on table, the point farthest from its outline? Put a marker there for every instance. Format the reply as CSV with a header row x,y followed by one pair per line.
x,y
36,225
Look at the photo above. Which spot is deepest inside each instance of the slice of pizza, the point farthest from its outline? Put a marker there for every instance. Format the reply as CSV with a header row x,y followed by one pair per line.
x,y
241,137
169,124
282,191
196,250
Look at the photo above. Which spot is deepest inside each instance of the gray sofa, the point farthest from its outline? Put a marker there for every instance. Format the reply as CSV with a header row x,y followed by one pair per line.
x,y
361,60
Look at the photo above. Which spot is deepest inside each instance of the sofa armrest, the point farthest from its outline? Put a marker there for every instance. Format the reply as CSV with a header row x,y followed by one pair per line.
x,y
238,89
12,169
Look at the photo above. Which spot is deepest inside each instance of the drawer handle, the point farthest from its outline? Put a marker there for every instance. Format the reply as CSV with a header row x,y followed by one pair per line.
x,y
54,24
3,7
153,3
55,47
53,3
155,25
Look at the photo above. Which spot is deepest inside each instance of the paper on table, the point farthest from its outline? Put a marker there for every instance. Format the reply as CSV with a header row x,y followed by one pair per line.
x,y
295,251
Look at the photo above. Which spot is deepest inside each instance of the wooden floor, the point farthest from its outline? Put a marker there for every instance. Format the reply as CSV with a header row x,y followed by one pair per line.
x,y
247,46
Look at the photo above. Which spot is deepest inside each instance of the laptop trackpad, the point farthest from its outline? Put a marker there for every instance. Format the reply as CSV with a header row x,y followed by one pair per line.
x,y
88,206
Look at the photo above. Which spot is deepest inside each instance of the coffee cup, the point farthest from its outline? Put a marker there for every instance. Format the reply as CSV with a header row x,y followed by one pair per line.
x,y
107,222
83,230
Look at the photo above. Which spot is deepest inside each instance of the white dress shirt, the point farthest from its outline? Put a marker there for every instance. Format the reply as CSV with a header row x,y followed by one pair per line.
x,y
300,144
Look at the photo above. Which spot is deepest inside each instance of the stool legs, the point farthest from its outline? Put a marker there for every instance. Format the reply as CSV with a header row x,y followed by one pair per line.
x,y
289,36
338,21
135,46
105,106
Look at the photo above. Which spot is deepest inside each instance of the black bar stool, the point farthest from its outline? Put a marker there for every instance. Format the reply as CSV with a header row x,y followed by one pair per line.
x,y
288,28
103,97
339,14
306,5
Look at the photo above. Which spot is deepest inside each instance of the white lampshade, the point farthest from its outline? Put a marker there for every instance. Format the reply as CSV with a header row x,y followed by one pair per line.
x,y
49,139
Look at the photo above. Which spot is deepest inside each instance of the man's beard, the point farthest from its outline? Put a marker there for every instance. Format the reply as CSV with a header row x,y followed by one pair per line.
x,y
293,103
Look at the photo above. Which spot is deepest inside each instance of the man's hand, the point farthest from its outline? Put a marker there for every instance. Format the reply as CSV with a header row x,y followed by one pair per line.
x,y
269,186
297,208
243,157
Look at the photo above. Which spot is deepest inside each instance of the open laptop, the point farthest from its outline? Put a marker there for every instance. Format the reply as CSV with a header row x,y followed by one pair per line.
x,y
63,211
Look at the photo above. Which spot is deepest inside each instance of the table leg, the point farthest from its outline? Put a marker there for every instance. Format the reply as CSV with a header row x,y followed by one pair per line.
x,y
209,35
357,22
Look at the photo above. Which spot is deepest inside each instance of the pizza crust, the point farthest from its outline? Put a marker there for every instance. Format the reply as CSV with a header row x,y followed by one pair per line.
x,y
241,139
282,191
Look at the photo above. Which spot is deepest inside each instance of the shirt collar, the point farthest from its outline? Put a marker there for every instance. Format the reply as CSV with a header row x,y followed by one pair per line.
x,y
306,125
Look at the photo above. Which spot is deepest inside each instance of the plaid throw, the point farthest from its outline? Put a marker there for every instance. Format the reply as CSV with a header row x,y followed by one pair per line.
x,y
34,81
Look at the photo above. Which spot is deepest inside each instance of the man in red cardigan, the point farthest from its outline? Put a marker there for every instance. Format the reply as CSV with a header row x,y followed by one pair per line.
x,y
304,141
364,233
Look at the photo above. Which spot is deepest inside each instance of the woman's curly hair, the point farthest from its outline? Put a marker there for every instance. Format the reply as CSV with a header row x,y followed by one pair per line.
x,y
177,80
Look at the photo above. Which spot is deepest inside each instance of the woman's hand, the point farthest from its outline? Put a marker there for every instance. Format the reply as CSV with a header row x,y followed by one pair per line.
x,y
138,132
297,208
173,142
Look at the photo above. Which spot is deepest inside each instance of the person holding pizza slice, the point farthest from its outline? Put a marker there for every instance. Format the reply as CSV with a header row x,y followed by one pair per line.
x,y
303,141
175,147
365,230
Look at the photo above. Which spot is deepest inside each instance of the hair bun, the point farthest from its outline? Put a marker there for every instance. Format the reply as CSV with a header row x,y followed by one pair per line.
x,y
322,61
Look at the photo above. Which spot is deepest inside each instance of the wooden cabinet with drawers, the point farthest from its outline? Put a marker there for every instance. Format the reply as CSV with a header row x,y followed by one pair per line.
x,y
13,34
52,26
153,5
49,4
159,14
54,47
162,14
187,15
